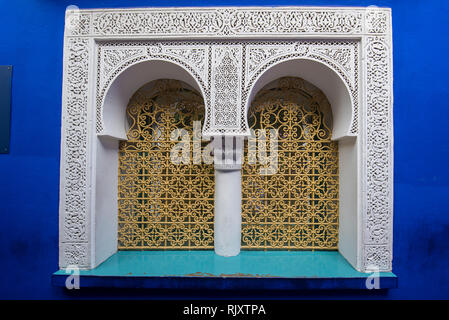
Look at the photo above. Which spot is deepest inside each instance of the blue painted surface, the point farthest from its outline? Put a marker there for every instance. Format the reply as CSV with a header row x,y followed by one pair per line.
x,y
32,39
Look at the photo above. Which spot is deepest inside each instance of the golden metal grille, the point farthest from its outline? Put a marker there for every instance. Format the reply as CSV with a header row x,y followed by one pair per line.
x,y
163,205
297,207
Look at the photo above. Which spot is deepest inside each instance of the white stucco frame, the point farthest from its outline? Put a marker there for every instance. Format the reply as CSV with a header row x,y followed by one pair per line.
x,y
108,54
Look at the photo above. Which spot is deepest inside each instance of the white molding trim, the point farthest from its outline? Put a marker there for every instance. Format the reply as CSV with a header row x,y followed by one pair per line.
x,y
244,47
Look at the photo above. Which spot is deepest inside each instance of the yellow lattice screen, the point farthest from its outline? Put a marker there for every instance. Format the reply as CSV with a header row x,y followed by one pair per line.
x,y
163,205
296,208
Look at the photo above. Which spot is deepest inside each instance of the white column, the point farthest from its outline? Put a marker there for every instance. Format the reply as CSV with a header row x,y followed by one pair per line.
x,y
228,215
228,195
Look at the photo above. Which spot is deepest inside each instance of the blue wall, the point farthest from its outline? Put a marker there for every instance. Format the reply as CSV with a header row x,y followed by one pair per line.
x,y
31,34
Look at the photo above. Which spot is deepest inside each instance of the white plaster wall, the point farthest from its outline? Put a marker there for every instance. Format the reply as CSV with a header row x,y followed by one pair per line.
x,y
348,201
105,197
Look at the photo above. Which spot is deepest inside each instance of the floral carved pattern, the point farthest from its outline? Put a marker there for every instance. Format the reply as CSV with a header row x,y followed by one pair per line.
x,y
226,77
197,56
378,138
258,55
342,56
226,21
74,134
114,57
376,21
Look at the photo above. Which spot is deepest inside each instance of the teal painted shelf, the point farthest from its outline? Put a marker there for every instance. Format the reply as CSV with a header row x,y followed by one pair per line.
x,y
250,269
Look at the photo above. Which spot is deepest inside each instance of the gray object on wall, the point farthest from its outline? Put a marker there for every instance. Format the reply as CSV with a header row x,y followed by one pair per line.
x,y
5,107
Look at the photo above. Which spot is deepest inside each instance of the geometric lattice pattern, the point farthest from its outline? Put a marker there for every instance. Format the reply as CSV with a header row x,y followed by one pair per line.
x,y
163,205
296,207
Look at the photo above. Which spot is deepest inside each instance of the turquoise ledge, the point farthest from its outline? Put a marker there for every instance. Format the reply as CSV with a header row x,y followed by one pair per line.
x,y
248,270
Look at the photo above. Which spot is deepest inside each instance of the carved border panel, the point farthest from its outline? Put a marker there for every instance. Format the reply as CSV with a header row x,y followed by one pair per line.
x,y
378,147
231,22
228,46
74,210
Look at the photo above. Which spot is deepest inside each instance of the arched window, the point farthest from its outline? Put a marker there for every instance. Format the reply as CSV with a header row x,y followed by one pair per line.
x,y
163,204
294,205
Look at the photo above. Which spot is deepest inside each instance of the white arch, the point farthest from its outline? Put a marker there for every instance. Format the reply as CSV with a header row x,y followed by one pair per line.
x,y
323,77
105,146
113,109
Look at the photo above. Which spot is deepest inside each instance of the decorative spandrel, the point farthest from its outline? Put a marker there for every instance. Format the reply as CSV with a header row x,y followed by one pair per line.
x,y
164,203
294,204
